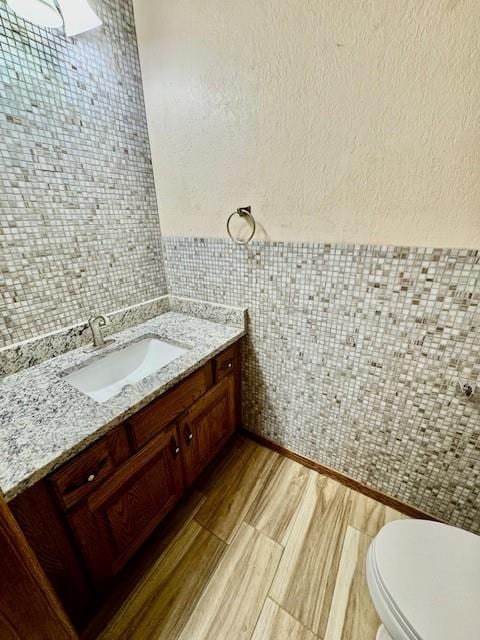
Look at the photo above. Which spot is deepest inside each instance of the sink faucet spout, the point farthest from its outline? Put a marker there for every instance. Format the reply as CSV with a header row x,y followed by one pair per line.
x,y
96,325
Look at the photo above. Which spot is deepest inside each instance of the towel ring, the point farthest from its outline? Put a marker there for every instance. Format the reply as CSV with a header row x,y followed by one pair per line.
x,y
243,212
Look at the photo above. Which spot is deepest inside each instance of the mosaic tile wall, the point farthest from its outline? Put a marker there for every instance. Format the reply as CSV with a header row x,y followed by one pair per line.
x,y
353,356
79,230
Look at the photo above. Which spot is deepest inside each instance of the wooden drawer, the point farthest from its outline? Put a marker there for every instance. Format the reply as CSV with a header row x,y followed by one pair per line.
x,y
226,362
89,468
151,420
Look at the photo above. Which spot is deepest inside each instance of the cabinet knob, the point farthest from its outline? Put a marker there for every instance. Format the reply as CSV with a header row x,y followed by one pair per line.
x,y
91,477
175,447
188,433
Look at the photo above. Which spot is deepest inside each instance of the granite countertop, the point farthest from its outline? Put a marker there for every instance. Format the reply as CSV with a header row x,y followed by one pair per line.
x,y
44,421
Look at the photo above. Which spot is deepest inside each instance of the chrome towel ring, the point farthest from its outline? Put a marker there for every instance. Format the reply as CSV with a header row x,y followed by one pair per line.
x,y
243,212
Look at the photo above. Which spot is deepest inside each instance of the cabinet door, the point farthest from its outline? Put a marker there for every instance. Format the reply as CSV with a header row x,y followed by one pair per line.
x,y
207,426
114,520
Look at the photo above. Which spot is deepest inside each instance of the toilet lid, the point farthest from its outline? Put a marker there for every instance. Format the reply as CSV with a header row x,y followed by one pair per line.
x,y
431,575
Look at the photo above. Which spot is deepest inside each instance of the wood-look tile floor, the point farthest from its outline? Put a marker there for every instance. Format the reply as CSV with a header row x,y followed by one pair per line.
x,y
263,549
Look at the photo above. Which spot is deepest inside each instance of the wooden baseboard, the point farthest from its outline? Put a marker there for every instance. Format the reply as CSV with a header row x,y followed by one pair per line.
x,y
389,501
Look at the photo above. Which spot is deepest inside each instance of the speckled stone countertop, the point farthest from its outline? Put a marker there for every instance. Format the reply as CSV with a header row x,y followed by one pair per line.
x,y
44,421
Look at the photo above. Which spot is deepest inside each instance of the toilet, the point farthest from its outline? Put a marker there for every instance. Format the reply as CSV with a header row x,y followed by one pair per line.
x,y
424,580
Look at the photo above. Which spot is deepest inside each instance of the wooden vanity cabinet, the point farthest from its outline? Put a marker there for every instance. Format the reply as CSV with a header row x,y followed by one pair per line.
x,y
90,516
117,517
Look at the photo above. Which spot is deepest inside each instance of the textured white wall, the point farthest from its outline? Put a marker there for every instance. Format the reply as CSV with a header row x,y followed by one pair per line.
x,y
337,120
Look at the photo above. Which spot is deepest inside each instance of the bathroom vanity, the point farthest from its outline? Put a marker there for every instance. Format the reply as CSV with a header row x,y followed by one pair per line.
x,y
87,517
98,508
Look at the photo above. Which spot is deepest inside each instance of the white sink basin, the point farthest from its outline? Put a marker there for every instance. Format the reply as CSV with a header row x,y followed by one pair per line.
x,y
107,376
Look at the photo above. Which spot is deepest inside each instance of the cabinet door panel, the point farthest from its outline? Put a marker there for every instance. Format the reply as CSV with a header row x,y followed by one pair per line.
x,y
115,519
130,513
207,426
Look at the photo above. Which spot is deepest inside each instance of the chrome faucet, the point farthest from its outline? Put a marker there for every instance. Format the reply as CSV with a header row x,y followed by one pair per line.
x,y
96,325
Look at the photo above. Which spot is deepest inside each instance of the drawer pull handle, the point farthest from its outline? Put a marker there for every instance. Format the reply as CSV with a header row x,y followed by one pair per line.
x,y
188,434
227,365
74,486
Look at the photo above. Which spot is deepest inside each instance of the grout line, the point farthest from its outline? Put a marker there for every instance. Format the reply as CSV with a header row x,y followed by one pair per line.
x,y
207,583
224,552
346,497
294,617
342,551
290,524
273,577
203,526
265,535
362,531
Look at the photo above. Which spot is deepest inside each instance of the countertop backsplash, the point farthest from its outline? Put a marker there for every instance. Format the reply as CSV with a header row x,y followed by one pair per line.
x,y
32,352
